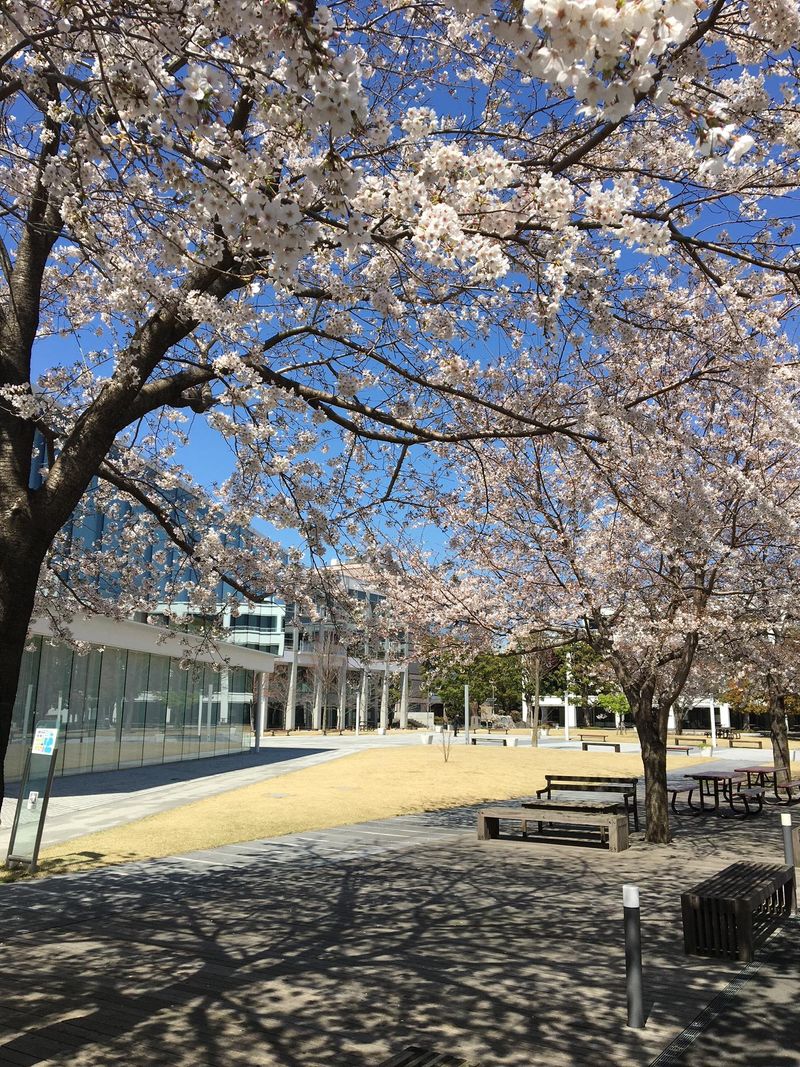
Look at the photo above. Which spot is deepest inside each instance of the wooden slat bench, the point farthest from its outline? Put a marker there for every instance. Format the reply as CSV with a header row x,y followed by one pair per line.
x,y
674,788
489,741
680,748
592,737
601,744
744,742
733,912
790,787
613,826
594,783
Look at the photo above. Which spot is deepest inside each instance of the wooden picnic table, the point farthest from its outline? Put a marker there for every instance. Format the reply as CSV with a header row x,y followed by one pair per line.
x,y
761,774
768,778
710,782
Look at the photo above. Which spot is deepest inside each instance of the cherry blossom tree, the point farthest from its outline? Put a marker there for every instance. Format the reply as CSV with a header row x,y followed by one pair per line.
x,y
646,547
334,233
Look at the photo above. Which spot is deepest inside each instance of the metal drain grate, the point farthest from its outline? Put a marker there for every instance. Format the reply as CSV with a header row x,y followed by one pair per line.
x,y
413,1056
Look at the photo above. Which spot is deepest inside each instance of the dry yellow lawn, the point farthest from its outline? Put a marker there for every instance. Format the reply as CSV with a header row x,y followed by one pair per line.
x,y
375,784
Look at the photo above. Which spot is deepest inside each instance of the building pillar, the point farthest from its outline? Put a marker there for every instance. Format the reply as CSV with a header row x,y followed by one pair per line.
x,y
316,714
384,724
224,696
364,693
289,718
341,714
261,707
404,700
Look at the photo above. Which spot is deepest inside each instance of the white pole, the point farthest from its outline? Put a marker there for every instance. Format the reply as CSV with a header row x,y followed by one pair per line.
x,y
713,726
566,697
466,714
291,692
358,713
260,702
385,689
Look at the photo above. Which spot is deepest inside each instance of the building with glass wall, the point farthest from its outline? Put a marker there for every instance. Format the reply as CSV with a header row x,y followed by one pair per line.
x,y
129,698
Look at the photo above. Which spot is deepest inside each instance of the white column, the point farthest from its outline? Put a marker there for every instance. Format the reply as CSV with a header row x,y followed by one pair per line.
x,y
224,696
261,707
466,714
566,697
291,692
316,715
725,715
713,724
404,700
385,688
341,714
364,692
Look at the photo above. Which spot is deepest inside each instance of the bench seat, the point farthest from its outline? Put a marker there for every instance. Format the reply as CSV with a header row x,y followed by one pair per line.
x,y
676,788
594,783
734,911
613,826
489,741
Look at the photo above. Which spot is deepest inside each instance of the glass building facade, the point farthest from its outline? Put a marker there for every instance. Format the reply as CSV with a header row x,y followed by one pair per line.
x,y
117,707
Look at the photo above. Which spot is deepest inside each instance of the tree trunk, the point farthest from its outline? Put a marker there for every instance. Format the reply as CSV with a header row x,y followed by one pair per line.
x,y
651,725
533,700
778,735
18,579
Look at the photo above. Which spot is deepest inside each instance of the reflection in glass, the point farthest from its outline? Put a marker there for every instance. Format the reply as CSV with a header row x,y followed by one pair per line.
x,y
119,708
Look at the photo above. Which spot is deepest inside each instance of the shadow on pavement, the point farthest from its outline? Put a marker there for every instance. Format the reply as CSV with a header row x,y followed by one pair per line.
x,y
135,779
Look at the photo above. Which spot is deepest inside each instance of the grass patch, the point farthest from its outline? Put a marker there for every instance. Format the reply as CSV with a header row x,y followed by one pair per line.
x,y
376,784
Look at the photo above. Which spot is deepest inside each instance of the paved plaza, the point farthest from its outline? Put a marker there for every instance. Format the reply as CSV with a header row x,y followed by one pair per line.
x,y
340,948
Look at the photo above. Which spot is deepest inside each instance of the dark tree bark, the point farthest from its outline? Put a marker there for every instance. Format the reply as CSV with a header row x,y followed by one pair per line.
x,y
778,733
651,726
19,574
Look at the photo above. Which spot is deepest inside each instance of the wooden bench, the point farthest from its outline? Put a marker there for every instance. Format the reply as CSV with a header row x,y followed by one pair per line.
x,y
789,786
733,912
612,825
594,783
674,788
592,736
680,748
744,742
489,741
601,744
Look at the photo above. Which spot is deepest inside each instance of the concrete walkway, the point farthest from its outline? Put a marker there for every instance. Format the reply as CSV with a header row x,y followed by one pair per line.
x,y
83,803
341,948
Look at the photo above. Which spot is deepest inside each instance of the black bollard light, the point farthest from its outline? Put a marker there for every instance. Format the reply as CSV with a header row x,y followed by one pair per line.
x,y
633,956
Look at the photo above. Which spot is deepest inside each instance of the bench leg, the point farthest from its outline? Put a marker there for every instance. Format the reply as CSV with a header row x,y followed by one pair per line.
x,y
488,828
618,834
744,931
630,804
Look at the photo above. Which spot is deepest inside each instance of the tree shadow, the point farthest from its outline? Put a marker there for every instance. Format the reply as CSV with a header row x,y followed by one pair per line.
x,y
505,953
